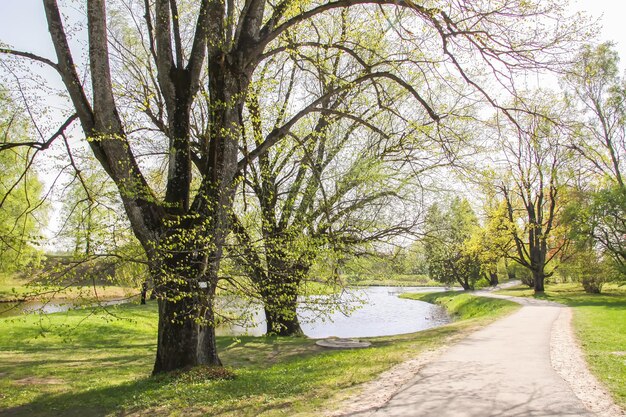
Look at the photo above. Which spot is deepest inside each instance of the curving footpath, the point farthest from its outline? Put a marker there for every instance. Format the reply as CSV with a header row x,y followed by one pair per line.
x,y
502,370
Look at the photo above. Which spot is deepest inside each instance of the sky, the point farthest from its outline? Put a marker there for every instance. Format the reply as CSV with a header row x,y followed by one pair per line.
x,y
23,27
611,14
17,15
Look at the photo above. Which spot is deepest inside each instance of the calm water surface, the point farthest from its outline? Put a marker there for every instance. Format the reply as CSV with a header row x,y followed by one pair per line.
x,y
364,312
372,311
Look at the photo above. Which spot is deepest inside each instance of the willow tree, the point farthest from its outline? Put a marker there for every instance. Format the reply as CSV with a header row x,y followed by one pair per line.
x,y
218,46
341,178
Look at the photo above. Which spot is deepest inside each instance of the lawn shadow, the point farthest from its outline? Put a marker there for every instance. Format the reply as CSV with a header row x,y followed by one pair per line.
x,y
253,390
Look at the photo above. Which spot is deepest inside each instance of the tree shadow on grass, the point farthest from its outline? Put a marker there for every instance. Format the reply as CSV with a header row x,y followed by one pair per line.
x,y
252,351
252,391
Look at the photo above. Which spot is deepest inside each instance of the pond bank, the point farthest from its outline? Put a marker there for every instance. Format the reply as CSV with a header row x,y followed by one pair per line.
x,y
99,368
362,312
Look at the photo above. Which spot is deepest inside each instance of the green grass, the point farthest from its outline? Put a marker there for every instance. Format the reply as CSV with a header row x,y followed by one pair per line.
x,y
394,280
73,365
600,326
12,287
465,306
16,287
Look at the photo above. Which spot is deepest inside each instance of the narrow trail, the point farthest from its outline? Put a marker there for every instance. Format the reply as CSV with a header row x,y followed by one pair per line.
x,y
503,370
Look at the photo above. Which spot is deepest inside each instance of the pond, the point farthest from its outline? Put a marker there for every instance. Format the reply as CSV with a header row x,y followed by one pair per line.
x,y
364,312
375,311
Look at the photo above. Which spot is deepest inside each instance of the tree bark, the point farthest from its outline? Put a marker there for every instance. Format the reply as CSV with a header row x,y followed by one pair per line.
x,y
538,281
464,283
186,335
281,315
144,292
280,294
493,279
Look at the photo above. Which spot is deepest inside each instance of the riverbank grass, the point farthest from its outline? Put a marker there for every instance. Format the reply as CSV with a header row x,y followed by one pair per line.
x,y
600,325
84,362
465,306
14,287
394,280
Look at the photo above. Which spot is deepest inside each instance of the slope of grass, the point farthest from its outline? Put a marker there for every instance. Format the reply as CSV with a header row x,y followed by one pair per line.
x,y
465,306
16,287
86,363
393,280
600,326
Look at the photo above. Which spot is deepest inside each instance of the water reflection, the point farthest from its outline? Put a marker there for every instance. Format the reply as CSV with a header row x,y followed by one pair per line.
x,y
372,311
362,312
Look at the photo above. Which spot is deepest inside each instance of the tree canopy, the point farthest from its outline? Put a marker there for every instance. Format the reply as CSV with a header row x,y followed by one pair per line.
x,y
181,84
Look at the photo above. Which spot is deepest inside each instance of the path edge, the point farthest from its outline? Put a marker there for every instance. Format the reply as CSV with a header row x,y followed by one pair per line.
x,y
569,363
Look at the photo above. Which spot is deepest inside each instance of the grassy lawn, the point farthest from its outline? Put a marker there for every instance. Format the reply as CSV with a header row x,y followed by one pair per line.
x,y
74,364
600,326
394,280
12,287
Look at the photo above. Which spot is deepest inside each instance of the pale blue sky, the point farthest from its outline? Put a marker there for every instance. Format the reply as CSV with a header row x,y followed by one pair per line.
x,y
23,27
22,23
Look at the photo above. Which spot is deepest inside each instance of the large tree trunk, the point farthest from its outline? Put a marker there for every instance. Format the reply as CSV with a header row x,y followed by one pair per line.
x,y
280,292
493,279
281,315
538,281
280,296
464,283
186,283
538,252
280,302
186,335
144,292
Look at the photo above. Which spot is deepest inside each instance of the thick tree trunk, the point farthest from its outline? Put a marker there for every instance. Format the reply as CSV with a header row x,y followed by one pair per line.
x,y
280,291
538,280
538,251
186,335
144,292
280,301
493,279
464,283
282,319
185,274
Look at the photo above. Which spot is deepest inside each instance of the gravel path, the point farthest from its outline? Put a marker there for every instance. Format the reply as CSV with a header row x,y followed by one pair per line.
x,y
568,360
527,364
